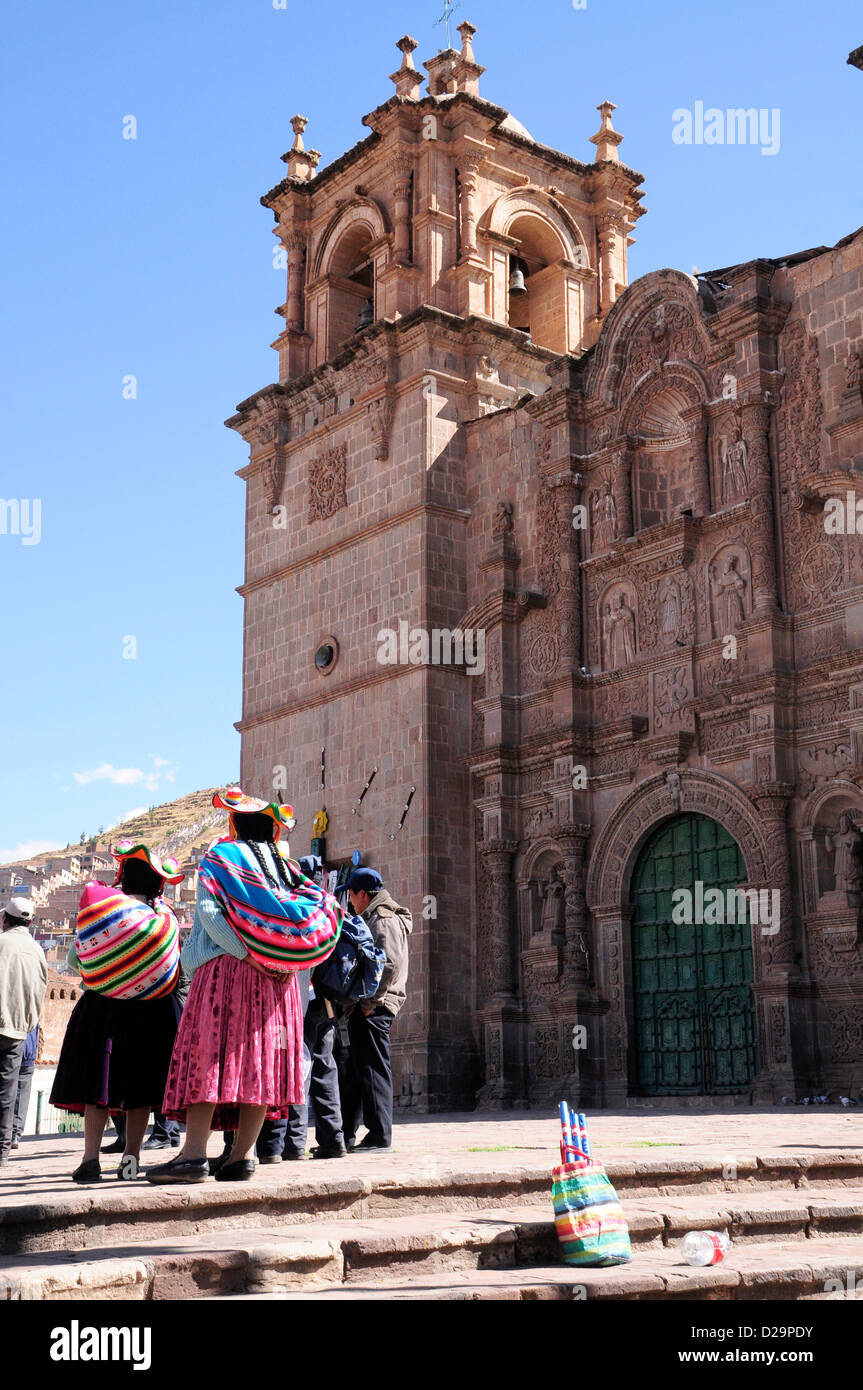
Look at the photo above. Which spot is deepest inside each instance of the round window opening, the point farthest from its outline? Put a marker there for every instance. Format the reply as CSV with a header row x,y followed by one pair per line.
x,y
327,655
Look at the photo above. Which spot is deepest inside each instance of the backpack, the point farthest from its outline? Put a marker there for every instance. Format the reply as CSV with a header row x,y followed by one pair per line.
x,y
353,971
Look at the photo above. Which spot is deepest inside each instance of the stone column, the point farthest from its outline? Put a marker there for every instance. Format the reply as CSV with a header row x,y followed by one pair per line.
x,y
566,489
499,972
573,841
774,949
296,267
755,425
468,168
696,426
611,1064
621,463
608,227
501,1013
401,169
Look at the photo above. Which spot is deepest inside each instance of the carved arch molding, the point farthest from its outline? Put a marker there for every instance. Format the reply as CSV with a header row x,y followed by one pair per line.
x,y
702,793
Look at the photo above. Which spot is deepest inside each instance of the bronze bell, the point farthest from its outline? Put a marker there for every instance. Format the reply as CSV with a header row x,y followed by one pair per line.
x,y
516,280
367,314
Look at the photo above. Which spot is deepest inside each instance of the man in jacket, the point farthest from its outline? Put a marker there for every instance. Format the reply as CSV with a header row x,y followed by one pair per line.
x,y
369,1024
323,1089
23,980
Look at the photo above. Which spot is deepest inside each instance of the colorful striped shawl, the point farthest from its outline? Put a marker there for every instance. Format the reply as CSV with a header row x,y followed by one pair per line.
x,y
126,949
282,928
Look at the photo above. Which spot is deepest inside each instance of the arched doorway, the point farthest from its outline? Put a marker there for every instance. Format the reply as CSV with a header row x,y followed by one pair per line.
x,y
692,979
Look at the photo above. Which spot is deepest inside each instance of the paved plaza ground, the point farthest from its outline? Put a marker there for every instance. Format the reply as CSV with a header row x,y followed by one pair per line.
x,y
500,1142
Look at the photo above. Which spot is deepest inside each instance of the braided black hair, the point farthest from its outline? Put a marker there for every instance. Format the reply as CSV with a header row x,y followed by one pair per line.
x,y
255,829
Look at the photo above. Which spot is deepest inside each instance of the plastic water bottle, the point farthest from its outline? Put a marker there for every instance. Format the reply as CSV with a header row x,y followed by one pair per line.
x,y
704,1247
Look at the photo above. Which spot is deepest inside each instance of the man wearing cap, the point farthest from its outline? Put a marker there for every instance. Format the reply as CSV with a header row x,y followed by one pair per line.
x,y
23,980
370,1023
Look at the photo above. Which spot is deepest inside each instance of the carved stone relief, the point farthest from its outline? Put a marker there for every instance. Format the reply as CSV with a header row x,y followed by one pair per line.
x,y
617,625
729,582
327,483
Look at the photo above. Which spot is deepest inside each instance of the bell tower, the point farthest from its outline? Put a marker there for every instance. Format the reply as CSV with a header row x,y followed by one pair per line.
x,y
436,274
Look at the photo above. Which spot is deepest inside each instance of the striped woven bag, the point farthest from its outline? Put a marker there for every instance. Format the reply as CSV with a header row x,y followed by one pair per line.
x,y
588,1217
126,949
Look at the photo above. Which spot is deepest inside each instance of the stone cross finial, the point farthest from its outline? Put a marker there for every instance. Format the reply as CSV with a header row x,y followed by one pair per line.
x,y
407,79
606,138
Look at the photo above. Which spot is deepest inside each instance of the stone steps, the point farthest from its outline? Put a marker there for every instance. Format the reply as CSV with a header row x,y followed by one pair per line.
x,y
115,1214
786,1245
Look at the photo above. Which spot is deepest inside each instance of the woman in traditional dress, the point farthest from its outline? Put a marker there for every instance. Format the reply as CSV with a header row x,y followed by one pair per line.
x,y
238,1058
118,1043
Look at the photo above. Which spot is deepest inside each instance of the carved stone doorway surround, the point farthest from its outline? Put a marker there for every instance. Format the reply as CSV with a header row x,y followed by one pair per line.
x,y
608,898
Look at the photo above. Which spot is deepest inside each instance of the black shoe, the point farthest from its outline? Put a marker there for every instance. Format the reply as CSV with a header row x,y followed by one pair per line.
x,y
155,1143
331,1151
351,1144
293,1155
129,1169
217,1163
89,1171
118,1147
269,1158
240,1171
380,1145
180,1170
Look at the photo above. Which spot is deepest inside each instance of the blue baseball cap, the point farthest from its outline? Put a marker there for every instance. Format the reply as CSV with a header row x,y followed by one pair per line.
x,y
365,881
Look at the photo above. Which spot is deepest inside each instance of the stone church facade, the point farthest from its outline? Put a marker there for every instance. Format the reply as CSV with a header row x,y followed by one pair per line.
x,y
620,494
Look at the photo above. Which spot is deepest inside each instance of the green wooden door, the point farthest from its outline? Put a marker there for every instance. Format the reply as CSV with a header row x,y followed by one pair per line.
x,y
694,1007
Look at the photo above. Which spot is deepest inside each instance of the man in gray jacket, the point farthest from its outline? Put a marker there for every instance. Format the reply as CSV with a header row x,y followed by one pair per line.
x,y
369,1024
23,980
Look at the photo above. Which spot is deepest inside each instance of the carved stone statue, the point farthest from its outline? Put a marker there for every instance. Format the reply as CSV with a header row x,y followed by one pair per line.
x,y
847,866
604,516
552,896
672,781
502,524
669,613
729,593
739,463
618,633
733,466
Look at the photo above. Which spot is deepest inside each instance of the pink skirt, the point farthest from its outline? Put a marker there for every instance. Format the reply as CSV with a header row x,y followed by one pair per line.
x,y
240,1042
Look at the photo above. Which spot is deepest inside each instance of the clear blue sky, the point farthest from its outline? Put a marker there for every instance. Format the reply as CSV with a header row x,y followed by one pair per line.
x,y
152,257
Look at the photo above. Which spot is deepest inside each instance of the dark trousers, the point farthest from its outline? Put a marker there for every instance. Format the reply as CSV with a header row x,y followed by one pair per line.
x,y
11,1052
368,1095
166,1130
319,1034
22,1100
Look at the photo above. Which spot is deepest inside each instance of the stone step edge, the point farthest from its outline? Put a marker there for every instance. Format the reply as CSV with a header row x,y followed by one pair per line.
x,y
276,1271
746,1216
514,1238
112,1200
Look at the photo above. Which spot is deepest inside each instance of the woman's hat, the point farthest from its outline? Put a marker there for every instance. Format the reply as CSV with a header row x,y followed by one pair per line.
x,y
167,868
234,799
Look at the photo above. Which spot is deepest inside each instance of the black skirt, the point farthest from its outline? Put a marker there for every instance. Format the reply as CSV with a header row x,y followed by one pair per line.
x,y
116,1053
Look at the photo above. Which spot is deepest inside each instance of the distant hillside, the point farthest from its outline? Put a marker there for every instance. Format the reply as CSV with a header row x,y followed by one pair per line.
x,y
177,827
